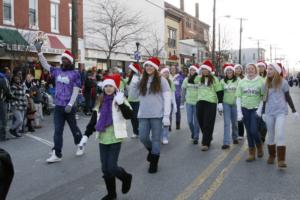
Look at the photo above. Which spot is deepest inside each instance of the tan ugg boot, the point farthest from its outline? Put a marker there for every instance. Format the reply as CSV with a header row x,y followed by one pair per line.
x,y
260,150
272,153
281,156
251,156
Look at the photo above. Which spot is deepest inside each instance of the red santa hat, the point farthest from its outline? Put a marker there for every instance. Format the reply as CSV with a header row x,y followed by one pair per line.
x,y
261,63
165,69
207,64
135,67
195,67
228,66
238,66
153,61
113,80
67,54
278,67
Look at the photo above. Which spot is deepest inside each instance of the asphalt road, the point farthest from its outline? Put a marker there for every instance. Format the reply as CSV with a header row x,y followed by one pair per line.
x,y
185,172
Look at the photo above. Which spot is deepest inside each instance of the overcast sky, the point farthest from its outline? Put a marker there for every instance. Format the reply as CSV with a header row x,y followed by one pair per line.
x,y
275,22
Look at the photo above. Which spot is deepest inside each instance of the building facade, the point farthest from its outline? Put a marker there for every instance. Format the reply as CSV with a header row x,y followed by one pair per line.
x,y
21,21
249,55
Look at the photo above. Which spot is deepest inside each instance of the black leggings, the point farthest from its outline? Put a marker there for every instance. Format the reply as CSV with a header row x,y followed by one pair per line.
x,y
6,173
206,115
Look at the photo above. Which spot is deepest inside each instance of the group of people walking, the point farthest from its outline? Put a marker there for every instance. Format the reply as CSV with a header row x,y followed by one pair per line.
x,y
154,93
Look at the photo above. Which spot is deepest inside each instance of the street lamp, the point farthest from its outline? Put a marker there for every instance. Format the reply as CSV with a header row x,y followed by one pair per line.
x,y
241,31
219,58
137,56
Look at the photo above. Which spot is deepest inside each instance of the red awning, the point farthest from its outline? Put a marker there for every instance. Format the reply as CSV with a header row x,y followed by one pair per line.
x,y
55,43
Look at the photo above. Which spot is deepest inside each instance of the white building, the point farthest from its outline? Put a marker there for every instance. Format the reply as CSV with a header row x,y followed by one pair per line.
x,y
152,15
249,55
190,47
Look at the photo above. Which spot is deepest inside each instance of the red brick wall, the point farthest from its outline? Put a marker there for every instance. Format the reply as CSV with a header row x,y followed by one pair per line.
x,y
21,9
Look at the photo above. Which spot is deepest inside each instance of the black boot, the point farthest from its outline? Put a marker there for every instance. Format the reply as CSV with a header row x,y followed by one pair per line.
x,y
149,155
111,188
153,163
177,125
126,179
29,125
14,133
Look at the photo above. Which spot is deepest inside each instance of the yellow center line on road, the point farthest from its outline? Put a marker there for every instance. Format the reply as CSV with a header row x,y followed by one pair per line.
x,y
221,177
190,189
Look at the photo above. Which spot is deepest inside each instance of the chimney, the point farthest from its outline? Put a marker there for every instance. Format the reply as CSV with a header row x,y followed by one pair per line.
x,y
197,10
182,5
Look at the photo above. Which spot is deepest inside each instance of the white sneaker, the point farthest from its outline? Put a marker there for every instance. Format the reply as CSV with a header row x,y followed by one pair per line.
x,y
80,151
53,158
76,116
165,141
83,140
134,136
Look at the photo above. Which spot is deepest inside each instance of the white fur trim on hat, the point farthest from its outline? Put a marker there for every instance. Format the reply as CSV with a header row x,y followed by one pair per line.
x,y
261,64
148,62
194,67
238,65
276,67
109,82
206,67
70,58
133,68
164,70
227,68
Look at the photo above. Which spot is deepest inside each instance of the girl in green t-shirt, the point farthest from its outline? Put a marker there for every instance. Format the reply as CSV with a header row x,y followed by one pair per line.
x,y
209,94
249,106
229,85
190,96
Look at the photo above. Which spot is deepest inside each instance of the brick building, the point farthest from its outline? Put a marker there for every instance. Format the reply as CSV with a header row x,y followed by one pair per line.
x,y
22,20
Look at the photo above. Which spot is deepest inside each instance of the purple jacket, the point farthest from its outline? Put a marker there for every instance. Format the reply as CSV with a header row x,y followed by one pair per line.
x,y
178,80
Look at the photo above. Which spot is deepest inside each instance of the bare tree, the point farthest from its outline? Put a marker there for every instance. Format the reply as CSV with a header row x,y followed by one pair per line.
x,y
155,46
114,25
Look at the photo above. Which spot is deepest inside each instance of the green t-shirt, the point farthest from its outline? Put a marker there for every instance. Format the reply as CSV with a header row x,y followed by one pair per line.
x,y
191,95
123,84
172,86
108,136
229,91
208,93
250,92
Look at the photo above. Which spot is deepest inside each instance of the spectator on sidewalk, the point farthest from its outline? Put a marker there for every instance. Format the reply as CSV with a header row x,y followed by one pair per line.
x,y
6,173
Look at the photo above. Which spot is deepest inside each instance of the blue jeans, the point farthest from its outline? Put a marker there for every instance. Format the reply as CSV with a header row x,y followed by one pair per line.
x,y
250,121
59,123
153,125
191,112
3,119
230,118
109,155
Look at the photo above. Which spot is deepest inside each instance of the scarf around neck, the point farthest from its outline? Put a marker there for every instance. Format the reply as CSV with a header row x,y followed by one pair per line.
x,y
105,119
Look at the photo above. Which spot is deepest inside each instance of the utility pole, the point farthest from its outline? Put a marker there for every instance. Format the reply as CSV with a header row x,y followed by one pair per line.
x,y
258,53
270,53
219,59
240,48
75,29
214,33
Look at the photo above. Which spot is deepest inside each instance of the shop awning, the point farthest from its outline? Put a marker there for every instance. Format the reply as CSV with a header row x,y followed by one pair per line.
x,y
12,37
55,43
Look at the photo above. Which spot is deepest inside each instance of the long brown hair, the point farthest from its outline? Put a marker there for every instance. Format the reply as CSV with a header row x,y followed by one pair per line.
x,y
274,82
210,79
155,86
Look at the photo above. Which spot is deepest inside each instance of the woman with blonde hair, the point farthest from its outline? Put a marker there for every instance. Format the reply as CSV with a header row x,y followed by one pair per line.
x,y
276,98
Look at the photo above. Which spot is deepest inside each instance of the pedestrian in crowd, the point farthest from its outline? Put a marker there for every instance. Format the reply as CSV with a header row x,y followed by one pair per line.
x,y
239,73
249,107
30,111
190,97
210,96
18,105
5,96
67,82
229,85
133,95
113,109
177,78
165,72
262,127
276,98
89,92
6,173
37,99
154,112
